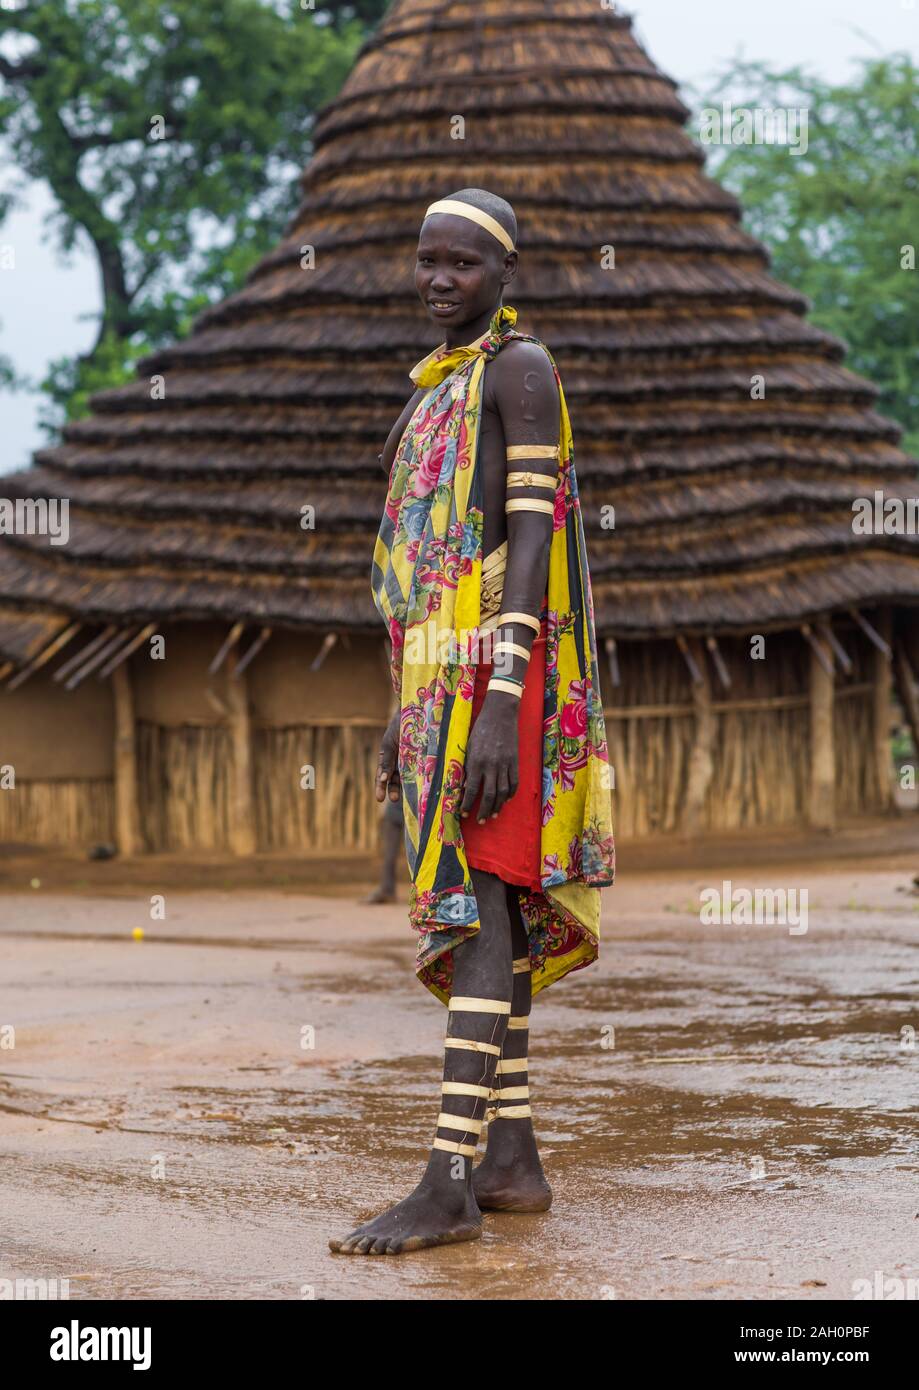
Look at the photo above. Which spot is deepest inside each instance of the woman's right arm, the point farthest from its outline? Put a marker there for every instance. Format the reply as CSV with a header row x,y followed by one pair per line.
x,y
397,431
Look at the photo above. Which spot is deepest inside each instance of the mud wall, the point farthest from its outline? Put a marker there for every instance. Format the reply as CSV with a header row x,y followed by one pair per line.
x,y
59,745
323,727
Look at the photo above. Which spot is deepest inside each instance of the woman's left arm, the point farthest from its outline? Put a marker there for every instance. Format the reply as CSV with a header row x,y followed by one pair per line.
x,y
526,393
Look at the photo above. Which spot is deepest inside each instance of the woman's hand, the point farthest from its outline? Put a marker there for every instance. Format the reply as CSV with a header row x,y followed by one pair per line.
x,y
387,778
491,756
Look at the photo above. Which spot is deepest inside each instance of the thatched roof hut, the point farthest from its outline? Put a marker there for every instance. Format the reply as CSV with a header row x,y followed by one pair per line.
x,y
722,427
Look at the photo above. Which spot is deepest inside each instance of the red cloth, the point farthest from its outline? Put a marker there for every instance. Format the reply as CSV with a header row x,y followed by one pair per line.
x,y
508,845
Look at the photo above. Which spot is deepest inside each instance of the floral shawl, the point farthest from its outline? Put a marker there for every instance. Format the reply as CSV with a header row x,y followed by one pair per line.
x,y
426,584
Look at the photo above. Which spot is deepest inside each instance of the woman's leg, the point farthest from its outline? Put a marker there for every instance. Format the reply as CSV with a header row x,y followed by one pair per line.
x,y
442,1209
510,1176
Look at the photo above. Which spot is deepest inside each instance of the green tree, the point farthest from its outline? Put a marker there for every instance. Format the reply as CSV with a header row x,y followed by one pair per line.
x,y
171,134
367,12
840,218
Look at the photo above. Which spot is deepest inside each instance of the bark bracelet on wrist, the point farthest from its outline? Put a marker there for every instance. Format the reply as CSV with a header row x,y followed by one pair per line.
x,y
511,685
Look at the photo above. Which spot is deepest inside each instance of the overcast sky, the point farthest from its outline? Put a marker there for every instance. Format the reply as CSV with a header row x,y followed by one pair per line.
x,y
43,303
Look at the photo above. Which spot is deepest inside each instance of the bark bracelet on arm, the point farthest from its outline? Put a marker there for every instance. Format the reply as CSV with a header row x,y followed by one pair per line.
x,y
510,684
526,478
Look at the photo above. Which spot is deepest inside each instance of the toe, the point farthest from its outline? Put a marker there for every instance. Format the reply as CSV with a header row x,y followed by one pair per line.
x,y
341,1245
363,1245
379,1246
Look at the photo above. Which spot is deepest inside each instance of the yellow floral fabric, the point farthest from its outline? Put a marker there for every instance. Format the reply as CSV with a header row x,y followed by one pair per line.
x,y
426,580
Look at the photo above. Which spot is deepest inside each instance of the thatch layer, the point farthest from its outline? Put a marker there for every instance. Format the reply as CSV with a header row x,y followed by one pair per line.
x,y
732,513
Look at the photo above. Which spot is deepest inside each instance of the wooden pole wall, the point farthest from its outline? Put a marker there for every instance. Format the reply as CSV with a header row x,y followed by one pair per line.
x,y
822,797
127,816
882,673
701,759
242,797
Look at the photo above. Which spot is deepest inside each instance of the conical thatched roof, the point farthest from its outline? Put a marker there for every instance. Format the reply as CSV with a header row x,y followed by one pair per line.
x,y
731,513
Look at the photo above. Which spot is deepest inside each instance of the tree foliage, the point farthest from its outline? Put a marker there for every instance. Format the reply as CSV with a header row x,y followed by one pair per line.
x,y
171,134
841,218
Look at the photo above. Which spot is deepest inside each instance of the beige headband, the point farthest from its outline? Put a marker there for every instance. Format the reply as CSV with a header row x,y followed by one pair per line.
x,y
457,209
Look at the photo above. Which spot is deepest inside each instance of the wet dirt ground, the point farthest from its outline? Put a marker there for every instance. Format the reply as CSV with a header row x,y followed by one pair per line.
x,y
751,1132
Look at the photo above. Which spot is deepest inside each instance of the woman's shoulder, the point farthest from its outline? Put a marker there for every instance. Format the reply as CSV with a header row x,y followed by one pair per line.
x,y
522,355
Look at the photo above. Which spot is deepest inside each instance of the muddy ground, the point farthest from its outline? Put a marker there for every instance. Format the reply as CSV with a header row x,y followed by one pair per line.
x,y
752,1132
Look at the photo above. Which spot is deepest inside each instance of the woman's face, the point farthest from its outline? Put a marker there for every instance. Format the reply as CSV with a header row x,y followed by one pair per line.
x,y
460,269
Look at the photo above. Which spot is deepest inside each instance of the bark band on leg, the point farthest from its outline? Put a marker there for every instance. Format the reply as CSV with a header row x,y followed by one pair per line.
x,y
460,1122
464,1088
468,1004
447,1146
469,1045
469,1125
506,1066
503,1098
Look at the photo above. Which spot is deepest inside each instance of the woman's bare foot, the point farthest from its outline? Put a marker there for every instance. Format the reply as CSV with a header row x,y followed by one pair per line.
x,y
430,1216
510,1176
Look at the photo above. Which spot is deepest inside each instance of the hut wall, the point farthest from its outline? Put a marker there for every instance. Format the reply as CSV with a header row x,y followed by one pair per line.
x,y
762,743
176,691
325,726
858,788
340,811
762,738
183,783
60,745
352,681
183,747
649,752
315,741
